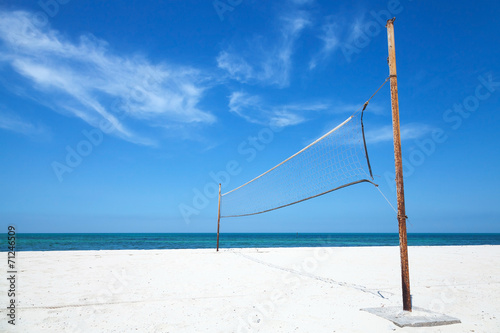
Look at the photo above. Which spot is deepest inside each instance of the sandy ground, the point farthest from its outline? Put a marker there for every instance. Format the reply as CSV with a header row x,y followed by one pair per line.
x,y
250,290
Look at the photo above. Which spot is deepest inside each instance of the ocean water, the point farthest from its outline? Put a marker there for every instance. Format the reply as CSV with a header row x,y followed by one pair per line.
x,y
123,241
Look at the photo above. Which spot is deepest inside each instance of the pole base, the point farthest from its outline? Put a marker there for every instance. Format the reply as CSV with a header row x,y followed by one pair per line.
x,y
417,318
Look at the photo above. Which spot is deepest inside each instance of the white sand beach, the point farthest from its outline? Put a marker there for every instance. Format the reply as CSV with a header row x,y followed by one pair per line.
x,y
251,290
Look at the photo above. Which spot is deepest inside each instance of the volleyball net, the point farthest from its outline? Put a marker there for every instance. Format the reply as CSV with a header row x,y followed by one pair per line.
x,y
335,160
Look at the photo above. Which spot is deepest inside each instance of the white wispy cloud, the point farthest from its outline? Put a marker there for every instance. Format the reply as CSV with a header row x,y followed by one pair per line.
x,y
255,110
330,42
408,132
341,34
15,123
356,29
87,80
266,60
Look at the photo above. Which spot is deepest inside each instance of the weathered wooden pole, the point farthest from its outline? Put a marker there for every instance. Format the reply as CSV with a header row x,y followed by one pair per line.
x,y
403,244
218,222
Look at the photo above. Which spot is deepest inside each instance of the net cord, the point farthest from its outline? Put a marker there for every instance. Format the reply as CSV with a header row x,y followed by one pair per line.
x,y
390,204
376,91
311,197
297,153
362,108
363,126
364,141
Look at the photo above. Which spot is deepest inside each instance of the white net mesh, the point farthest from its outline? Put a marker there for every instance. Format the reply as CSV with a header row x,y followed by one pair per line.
x,y
335,160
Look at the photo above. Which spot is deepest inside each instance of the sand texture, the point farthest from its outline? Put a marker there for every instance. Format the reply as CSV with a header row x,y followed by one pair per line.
x,y
251,290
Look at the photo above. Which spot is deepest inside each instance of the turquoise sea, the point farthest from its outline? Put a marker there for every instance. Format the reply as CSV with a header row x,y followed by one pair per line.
x,y
124,241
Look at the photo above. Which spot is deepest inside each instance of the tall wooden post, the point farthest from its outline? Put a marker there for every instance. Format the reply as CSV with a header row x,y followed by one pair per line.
x,y
218,222
403,245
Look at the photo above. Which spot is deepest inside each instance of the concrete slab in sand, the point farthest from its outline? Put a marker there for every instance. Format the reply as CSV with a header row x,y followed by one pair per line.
x,y
417,318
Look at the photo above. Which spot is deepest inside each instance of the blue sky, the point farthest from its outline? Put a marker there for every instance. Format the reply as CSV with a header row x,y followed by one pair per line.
x,y
114,118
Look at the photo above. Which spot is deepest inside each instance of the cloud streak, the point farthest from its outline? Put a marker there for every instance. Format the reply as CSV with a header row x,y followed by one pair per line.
x,y
266,61
330,42
255,110
408,132
85,79
16,124
338,34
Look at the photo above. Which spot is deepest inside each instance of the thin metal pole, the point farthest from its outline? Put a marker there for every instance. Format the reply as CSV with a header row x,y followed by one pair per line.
x,y
403,244
218,222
